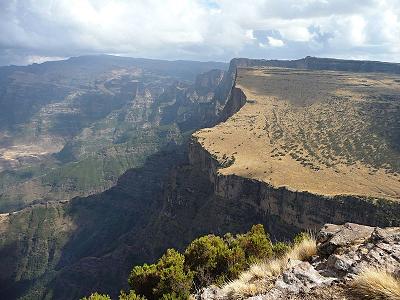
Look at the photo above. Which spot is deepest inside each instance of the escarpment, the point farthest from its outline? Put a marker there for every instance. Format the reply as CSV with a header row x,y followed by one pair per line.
x,y
291,149
298,210
282,147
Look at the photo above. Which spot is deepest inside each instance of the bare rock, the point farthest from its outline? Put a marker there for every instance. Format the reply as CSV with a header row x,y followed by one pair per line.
x,y
301,278
344,251
332,237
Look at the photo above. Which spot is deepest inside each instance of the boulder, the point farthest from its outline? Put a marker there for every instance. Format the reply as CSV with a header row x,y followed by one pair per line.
x,y
302,277
331,237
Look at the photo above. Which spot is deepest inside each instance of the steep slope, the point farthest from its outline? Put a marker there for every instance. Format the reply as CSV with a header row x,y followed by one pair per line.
x,y
176,195
82,122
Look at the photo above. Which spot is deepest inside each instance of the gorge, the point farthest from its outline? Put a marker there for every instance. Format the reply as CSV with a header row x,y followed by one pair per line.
x,y
160,186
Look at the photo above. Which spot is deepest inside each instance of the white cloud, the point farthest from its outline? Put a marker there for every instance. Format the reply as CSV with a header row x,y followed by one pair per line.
x,y
250,34
296,32
40,59
275,42
200,29
358,33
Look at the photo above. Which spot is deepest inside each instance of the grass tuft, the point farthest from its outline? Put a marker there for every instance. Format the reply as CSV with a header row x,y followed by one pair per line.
x,y
373,283
259,278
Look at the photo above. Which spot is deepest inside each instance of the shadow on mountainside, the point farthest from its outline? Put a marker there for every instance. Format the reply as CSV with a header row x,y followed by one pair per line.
x,y
166,203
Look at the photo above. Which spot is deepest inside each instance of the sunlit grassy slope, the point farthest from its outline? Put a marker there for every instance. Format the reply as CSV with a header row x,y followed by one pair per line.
x,y
323,132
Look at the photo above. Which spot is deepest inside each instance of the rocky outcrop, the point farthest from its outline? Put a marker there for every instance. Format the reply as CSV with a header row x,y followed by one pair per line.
x,y
344,252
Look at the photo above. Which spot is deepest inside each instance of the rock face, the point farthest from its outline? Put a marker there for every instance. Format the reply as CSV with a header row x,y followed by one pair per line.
x,y
343,252
298,210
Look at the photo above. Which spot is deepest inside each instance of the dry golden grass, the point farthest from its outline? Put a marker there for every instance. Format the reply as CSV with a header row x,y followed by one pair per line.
x,y
316,131
261,276
376,284
304,250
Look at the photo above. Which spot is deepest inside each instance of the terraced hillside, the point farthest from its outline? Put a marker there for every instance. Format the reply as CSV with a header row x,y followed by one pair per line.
x,y
325,132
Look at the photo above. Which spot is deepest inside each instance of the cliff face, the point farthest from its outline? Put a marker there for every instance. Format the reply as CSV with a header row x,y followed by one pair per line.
x,y
222,94
298,210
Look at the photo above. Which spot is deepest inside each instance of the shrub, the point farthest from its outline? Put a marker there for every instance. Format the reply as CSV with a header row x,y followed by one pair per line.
x,y
168,276
97,296
235,260
207,260
256,244
174,278
131,296
211,259
280,249
143,279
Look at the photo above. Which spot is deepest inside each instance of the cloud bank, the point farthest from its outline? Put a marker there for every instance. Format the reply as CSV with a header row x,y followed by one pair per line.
x,y
39,30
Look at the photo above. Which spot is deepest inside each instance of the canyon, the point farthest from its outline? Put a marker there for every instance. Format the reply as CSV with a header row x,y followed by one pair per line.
x,y
66,241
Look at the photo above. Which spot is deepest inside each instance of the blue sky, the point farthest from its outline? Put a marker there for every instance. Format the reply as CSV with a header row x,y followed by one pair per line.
x,y
40,30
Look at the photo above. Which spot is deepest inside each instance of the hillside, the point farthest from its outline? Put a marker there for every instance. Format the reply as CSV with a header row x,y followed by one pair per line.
x,y
71,128
178,190
328,133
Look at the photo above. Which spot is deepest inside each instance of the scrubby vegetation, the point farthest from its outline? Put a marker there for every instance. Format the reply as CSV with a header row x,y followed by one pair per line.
x,y
255,280
212,259
373,283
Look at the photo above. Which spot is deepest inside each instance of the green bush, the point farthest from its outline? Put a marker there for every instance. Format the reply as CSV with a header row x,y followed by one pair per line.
x,y
168,276
280,249
235,260
97,296
207,260
256,244
212,261
131,296
301,237
144,279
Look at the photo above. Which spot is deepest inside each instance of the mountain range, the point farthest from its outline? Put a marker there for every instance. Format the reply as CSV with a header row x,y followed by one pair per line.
x,y
105,162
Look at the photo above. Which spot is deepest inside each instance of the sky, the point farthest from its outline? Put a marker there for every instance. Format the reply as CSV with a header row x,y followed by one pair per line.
x,y
40,30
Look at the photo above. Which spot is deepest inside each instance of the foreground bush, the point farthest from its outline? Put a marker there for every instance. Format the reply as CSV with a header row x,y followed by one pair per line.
x,y
256,244
213,261
207,260
166,278
97,296
254,281
123,296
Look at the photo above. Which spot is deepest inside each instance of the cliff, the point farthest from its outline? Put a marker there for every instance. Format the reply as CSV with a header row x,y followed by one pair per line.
x,y
179,193
297,210
222,93
279,147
